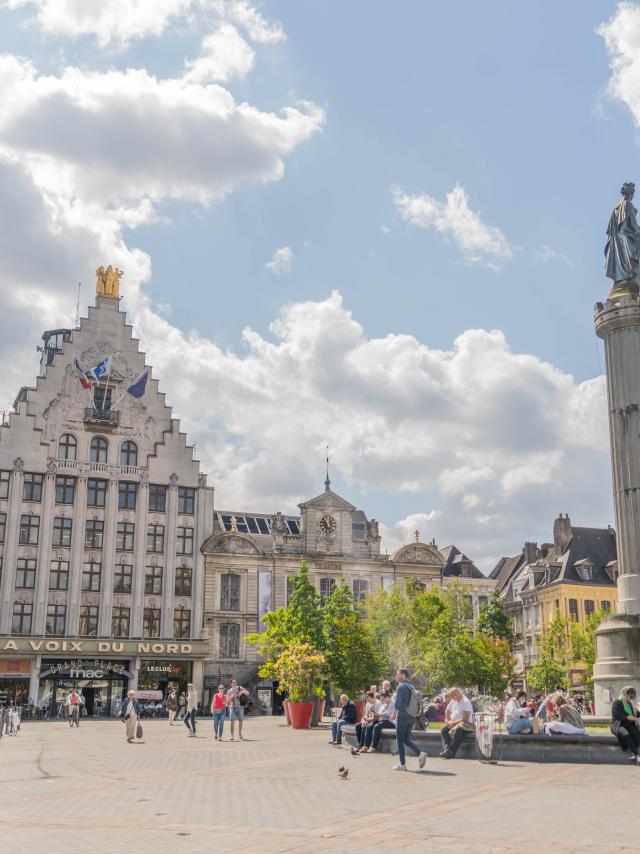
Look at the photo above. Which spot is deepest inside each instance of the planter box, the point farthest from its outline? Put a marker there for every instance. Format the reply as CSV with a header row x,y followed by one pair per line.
x,y
300,714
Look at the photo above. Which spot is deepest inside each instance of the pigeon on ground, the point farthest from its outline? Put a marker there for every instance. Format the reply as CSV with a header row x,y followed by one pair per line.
x,y
343,772
355,753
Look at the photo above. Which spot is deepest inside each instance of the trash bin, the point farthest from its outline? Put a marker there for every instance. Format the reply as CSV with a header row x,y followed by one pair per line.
x,y
485,731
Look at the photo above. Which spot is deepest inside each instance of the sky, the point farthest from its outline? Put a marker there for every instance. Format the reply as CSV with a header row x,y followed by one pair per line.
x,y
370,226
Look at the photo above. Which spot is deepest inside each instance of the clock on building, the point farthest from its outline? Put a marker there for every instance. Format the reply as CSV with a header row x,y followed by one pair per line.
x,y
327,524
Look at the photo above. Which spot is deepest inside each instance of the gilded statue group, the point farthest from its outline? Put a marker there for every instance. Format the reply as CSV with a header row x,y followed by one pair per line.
x,y
108,284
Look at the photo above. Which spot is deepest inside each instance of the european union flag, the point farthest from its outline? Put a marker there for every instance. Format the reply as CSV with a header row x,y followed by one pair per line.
x,y
140,384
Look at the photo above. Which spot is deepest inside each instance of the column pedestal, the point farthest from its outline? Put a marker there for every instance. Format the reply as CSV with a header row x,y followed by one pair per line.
x,y
618,659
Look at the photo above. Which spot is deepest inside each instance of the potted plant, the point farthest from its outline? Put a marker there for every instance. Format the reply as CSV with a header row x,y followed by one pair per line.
x,y
300,671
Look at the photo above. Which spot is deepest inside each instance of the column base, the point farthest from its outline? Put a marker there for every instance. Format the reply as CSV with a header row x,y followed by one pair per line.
x,y
617,659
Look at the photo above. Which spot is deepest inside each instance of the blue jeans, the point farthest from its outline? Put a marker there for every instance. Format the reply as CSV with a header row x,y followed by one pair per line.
x,y
518,726
336,730
218,722
190,720
404,726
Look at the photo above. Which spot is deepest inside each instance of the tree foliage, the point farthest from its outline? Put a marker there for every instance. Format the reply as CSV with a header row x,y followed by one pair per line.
x,y
300,670
494,622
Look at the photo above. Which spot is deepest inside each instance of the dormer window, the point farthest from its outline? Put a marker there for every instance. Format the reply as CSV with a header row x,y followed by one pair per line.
x,y
584,569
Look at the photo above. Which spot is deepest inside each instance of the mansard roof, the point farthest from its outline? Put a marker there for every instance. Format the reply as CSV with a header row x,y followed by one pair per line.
x,y
455,560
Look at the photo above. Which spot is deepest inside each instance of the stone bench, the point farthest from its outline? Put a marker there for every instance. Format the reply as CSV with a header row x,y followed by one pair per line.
x,y
589,749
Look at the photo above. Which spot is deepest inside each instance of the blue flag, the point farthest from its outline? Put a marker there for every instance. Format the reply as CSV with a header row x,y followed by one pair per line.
x,y
139,385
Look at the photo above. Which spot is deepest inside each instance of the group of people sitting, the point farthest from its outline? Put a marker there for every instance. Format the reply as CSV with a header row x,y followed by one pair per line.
x,y
553,716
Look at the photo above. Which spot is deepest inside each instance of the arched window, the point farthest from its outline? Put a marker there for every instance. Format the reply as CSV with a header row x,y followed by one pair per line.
x,y
98,449
129,454
67,447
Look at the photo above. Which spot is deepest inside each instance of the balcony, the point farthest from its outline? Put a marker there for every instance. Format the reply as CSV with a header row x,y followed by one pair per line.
x,y
101,417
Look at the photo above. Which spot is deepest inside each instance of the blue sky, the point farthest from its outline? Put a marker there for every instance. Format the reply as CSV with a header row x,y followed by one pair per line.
x,y
512,102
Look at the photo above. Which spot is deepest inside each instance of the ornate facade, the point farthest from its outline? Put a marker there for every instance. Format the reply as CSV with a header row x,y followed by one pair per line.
x,y
102,512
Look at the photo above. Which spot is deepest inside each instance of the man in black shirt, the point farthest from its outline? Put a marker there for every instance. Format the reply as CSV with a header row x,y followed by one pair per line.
x,y
348,715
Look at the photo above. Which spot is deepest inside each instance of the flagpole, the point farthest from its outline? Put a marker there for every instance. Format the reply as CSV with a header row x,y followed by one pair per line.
x,y
119,399
104,399
84,374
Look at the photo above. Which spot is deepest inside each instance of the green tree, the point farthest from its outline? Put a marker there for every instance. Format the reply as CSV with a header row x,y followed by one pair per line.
x,y
300,670
584,647
555,647
494,621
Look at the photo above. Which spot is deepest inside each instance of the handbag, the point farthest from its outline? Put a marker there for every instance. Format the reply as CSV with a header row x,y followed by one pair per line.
x,y
139,732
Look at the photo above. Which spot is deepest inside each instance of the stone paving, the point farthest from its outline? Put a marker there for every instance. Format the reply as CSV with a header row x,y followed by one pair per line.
x,y
88,790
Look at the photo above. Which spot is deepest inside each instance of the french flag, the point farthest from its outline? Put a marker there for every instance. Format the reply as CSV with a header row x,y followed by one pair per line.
x,y
84,379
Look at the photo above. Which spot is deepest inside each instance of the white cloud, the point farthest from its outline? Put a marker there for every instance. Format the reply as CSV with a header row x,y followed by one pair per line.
x,y
126,135
453,219
225,54
281,261
621,34
115,23
546,254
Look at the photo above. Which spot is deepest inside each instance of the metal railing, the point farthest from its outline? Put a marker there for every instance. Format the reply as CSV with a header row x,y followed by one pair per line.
x,y
102,416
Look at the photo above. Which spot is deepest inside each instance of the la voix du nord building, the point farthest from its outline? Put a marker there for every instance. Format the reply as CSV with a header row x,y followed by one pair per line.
x,y
102,513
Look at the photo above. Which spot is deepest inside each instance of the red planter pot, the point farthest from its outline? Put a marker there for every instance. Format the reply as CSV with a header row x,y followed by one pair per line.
x,y
285,705
300,714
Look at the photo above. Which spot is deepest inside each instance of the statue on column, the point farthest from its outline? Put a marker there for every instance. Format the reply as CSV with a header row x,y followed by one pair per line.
x,y
622,250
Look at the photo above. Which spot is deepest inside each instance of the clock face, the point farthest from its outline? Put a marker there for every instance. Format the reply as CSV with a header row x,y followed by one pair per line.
x,y
327,524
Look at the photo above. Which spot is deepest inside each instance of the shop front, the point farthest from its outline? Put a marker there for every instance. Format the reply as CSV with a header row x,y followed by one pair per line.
x,y
14,681
101,682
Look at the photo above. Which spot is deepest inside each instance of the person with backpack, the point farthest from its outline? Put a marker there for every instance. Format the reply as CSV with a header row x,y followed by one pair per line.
x,y
408,707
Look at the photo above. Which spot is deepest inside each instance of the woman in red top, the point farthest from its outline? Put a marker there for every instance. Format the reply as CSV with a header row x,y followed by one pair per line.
x,y
219,711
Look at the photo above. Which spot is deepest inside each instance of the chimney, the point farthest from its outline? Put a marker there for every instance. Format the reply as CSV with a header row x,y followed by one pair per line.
x,y
562,533
530,551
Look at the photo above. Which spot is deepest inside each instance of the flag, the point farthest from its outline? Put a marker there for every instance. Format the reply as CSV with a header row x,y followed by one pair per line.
x,y
137,389
102,369
84,379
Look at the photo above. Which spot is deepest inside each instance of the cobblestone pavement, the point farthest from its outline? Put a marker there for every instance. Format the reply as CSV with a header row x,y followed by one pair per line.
x,y
88,790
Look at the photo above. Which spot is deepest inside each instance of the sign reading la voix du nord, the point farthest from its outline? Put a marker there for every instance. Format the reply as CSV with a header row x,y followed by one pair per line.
x,y
91,646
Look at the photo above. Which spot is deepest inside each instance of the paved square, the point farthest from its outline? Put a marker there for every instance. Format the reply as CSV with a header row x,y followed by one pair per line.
x,y
88,790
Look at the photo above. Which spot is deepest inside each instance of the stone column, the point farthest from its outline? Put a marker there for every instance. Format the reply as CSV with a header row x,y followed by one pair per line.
x,y
44,556
34,678
77,557
108,559
169,573
617,322
140,562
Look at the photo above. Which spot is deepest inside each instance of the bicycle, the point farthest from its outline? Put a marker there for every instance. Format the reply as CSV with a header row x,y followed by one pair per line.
x,y
74,717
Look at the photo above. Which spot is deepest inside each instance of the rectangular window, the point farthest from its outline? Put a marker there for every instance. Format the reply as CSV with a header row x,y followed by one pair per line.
x,y
230,592
186,499
183,581
91,573
88,621
291,586
482,603
181,623
93,532
96,492
3,526
127,493
151,623
26,573
125,535
122,576
55,620
360,589
573,609
32,487
184,541
327,586
102,398
157,498
29,530
229,640
120,622
21,620
606,606
62,531
4,484
153,580
589,607
59,575
65,489
155,538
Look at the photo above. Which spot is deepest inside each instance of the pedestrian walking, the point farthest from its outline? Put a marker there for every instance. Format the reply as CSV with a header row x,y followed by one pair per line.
x,y
130,712
237,697
172,707
407,707
182,706
219,712
192,710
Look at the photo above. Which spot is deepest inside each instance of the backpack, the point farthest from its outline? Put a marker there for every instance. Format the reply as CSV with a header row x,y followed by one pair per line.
x,y
414,705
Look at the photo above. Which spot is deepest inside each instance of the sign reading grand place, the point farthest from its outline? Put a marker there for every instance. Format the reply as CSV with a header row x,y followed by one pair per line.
x,y
92,646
